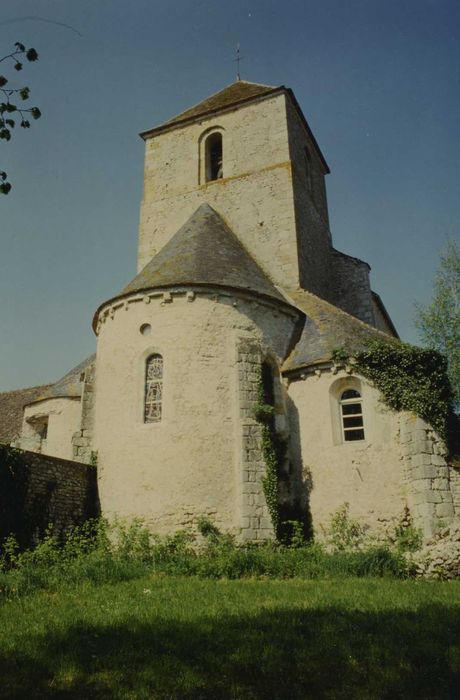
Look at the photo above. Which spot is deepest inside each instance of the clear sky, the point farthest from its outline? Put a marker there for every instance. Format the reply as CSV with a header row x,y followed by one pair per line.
x,y
378,81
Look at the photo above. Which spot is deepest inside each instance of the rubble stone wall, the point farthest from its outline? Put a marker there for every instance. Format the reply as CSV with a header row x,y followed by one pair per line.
x,y
39,490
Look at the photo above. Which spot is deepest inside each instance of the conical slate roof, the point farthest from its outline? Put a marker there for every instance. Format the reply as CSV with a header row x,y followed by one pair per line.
x,y
204,251
68,386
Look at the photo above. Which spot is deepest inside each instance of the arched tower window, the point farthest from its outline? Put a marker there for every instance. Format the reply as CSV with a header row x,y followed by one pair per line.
x,y
153,389
351,408
214,157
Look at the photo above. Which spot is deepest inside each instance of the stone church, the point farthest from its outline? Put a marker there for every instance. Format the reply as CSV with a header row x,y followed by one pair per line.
x,y
238,287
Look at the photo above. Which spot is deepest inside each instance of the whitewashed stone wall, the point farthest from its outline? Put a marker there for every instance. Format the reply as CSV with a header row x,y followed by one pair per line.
x,y
368,474
192,462
400,462
63,416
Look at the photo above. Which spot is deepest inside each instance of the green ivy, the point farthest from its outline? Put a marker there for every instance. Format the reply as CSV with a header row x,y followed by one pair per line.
x,y
273,450
409,379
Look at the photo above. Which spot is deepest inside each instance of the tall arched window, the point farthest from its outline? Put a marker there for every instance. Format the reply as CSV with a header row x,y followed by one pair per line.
x,y
214,157
351,408
153,389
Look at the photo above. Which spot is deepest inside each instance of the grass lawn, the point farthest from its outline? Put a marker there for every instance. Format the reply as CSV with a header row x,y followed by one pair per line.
x,y
163,637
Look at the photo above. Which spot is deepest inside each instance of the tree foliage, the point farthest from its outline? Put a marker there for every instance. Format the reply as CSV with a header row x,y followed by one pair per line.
x,y
11,110
439,321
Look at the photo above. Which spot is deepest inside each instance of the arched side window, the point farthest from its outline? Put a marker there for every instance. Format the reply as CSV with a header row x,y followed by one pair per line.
x,y
351,409
214,156
153,392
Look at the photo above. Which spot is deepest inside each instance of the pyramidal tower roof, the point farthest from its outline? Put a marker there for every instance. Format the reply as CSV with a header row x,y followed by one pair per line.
x,y
238,92
203,252
232,96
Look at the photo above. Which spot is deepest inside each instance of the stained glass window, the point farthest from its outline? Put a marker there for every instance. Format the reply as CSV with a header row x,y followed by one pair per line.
x,y
153,389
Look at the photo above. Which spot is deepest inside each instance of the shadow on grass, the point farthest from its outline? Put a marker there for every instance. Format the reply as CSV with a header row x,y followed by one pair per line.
x,y
295,654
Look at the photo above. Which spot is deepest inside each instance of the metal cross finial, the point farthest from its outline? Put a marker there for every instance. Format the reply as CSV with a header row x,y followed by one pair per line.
x,y
237,61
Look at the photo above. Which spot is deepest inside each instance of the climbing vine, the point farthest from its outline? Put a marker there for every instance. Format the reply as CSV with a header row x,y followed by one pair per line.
x,y
409,378
273,450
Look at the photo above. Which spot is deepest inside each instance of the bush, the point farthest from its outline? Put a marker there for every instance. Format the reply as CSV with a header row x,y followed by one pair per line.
x,y
101,553
345,533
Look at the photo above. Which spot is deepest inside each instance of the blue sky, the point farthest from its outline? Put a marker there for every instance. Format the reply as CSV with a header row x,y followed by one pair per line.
x,y
378,81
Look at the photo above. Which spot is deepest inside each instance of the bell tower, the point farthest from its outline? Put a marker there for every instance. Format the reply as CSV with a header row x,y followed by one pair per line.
x,y
248,152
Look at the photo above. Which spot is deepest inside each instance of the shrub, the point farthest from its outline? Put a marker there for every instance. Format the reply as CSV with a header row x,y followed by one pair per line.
x,y
345,533
100,553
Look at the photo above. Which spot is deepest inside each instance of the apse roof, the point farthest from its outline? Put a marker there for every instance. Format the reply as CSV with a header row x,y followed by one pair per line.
x,y
204,252
326,328
69,385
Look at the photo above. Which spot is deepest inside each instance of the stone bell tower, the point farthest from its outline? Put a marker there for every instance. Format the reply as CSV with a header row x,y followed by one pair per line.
x,y
249,153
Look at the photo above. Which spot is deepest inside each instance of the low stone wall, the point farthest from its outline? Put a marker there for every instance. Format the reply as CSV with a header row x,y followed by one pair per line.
x,y
38,490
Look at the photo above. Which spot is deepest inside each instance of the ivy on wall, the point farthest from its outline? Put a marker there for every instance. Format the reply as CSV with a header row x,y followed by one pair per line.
x,y
409,378
273,450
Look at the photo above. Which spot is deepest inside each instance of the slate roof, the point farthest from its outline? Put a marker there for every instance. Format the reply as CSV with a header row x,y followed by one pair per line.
x,y
237,92
234,94
69,386
326,328
203,252
11,409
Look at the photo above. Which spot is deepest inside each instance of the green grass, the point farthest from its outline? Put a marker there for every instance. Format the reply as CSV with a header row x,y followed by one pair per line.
x,y
159,637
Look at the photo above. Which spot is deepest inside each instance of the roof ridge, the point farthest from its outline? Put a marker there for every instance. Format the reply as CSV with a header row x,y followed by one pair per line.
x,y
26,388
214,94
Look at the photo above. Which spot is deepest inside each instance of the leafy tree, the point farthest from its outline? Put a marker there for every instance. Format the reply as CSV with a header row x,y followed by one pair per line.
x,y
10,111
439,321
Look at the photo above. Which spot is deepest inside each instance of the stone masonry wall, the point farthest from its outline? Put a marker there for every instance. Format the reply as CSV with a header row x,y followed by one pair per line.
x,y
254,196
310,205
82,440
352,291
455,488
256,523
39,490
427,474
